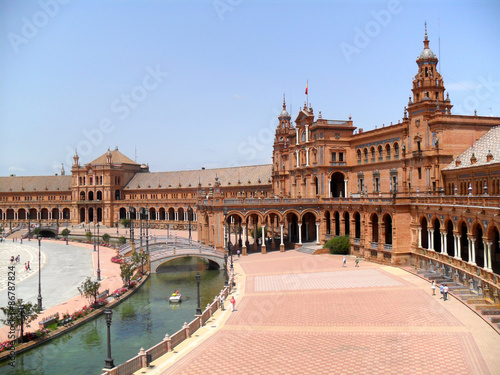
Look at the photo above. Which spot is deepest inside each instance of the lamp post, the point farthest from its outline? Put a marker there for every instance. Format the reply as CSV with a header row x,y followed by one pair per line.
x,y
117,224
226,283
141,214
131,211
39,273
109,362
57,222
190,215
29,225
198,279
147,230
94,237
98,257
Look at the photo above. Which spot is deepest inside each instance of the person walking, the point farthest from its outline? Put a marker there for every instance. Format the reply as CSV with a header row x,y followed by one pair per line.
x,y
344,262
221,300
29,268
238,252
433,287
357,262
445,292
441,289
233,302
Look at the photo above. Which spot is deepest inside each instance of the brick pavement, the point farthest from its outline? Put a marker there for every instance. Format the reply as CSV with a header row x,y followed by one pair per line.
x,y
299,315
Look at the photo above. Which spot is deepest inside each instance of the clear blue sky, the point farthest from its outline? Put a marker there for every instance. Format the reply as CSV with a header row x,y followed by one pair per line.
x,y
185,84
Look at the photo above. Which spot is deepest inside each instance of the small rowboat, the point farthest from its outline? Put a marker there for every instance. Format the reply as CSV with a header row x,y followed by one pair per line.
x,y
175,299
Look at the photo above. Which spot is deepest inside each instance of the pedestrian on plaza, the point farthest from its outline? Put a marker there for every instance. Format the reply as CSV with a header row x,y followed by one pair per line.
x,y
29,268
445,292
25,267
433,287
233,302
18,258
344,262
357,262
12,259
221,300
238,252
441,289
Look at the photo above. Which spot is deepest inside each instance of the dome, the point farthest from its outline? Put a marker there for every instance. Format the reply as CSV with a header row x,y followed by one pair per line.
x,y
427,54
284,113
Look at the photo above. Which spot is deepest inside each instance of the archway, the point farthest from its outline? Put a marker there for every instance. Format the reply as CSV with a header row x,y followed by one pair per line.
x,y
388,229
123,213
162,213
424,235
328,222
21,214
91,195
357,225
99,195
308,227
171,214
375,228
478,238
437,236
82,215
293,227
347,223
91,215
337,186
464,243
450,243
66,214
44,214
99,214
495,250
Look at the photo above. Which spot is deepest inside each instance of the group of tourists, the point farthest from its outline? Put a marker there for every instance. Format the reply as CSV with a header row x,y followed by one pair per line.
x,y
443,288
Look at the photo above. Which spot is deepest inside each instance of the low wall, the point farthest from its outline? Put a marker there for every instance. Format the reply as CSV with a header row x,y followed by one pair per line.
x,y
169,342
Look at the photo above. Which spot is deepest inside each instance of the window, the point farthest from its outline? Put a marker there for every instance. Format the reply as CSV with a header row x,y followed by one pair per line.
x,y
419,169
341,156
334,156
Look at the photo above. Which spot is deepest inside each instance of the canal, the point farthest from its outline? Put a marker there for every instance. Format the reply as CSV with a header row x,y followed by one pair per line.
x,y
140,321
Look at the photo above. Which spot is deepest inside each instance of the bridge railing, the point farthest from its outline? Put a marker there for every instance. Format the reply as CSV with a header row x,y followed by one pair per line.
x,y
170,342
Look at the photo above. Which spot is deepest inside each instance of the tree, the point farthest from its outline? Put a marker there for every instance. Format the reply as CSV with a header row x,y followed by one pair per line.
x,y
259,233
338,245
88,234
65,232
126,272
126,223
105,238
139,258
89,289
19,315
122,240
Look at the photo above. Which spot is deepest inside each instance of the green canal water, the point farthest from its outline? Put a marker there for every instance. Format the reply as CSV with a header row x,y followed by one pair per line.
x,y
140,321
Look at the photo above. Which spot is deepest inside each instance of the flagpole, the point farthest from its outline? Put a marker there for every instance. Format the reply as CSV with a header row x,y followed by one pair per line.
x,y
307,85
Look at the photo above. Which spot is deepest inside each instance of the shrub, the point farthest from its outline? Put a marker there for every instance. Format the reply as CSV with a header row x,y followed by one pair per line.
x,y
122,240
338,245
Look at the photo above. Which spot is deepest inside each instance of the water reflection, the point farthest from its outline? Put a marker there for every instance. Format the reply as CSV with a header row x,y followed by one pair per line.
x,y
140,321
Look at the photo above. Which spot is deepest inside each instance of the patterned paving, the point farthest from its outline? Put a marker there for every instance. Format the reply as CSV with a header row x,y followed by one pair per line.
x,y
27,253
324,280
333,353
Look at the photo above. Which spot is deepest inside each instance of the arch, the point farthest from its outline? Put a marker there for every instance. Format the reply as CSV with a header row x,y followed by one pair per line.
x,y
180,214
99,195
328,222
123,213
380,150
357,225
292,229
171,214
82,215
374,222
91,215
437,235
450,240
359,155
162,213
44,214
372,153
424,235
91,195
308,227
464,242
396,149
494,238
117,195
21,214
388,151
337,185
365,154
152,213
99,214
55,213
388,229
66,213
347,226
477,231
82,195
336,215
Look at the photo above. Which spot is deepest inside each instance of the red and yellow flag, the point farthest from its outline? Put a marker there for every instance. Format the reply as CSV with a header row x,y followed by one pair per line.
x,y
307,83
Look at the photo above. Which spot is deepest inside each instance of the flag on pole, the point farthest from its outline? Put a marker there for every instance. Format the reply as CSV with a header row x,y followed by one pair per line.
x,y
307,84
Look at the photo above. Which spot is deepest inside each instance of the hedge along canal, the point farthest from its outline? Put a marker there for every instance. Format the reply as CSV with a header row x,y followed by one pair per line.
x,y
140,321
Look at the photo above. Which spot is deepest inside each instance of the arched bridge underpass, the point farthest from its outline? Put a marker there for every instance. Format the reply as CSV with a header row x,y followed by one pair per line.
x,y
163,250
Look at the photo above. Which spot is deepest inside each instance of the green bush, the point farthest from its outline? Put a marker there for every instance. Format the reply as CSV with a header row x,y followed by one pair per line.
x,y
122,240
338,245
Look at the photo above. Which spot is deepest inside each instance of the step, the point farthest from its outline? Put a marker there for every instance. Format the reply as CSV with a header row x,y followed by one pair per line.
x,y
466,297
479,301
495,319
491,312
483,307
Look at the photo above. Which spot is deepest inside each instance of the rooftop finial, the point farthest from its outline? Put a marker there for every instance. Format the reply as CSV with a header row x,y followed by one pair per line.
x,y
284,104
425,30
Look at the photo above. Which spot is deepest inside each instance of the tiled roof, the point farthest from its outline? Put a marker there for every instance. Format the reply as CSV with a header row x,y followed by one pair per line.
x,y
116,158
247,176
488,143
30,184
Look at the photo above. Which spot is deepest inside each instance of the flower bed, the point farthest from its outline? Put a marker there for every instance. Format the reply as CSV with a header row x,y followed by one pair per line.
x,y
117,259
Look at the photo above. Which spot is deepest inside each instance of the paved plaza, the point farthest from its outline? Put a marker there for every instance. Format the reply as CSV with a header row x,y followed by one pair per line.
x,y
303,314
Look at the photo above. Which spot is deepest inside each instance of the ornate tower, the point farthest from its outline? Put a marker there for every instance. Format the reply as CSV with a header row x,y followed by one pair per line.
x,y
280,150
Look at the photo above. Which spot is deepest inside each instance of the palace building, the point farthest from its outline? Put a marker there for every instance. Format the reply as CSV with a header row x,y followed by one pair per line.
x,y
423,192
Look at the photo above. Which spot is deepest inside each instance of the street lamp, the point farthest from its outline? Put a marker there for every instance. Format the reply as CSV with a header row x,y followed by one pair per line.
x,y
39,273
198,279
190,215
109,362
147,230
29,225
131,211
94,237
226,283
141,215
98,257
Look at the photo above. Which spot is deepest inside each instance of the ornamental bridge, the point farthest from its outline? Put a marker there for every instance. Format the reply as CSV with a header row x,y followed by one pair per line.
x,y
165,249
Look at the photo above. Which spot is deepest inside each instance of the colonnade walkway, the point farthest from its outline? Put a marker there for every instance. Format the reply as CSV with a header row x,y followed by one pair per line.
x,y
300,313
